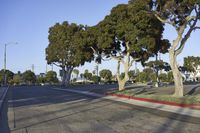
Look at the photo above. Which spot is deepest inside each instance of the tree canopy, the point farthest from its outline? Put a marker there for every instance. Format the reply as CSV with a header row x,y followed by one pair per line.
x,y
29,77
9,75
106,75
66,49
191,63
51,77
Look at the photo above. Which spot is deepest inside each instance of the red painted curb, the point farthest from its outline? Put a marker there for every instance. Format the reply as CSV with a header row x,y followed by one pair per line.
x,y
192,106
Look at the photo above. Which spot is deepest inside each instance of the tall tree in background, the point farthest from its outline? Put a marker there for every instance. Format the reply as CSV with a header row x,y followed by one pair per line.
x,y
191,64
29,77
76,72
127,35
106,75
51,77
65,48
183,16
157,66
9,75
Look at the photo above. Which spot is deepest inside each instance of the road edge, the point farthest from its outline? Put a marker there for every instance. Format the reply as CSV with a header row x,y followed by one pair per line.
x,y
2,98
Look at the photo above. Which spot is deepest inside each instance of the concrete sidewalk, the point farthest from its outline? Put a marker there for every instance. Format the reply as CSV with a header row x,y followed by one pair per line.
x,y
162,107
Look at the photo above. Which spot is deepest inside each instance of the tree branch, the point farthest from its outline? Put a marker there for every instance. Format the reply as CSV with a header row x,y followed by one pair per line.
x,y
56,64
185,38
165,21
119,59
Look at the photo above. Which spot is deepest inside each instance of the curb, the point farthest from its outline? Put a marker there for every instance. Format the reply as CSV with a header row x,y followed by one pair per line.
x,y
3,97
191,106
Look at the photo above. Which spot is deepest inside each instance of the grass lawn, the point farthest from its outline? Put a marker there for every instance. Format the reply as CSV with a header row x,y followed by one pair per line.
x,y
189,99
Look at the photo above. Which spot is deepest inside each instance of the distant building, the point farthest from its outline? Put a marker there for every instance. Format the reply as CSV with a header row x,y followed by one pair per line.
x,y
42,75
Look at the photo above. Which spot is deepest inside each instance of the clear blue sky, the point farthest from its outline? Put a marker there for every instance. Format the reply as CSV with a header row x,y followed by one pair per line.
x,y
27,22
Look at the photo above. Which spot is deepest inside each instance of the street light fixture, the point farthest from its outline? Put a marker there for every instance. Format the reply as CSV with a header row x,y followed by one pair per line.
x,y
5,49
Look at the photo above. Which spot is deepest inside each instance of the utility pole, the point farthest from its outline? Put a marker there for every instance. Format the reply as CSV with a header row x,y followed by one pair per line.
x,y
51,67
33,67
5,54
5,75
97,69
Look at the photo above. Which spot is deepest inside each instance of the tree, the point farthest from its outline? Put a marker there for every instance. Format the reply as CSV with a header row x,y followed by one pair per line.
x,y
157,66
183,16
9,76
65,48
29,77
170,77
87,75
106,75
76,71
191,64
96,79
163,77
17,79
41,80
51,77
132,74
127,35
146,76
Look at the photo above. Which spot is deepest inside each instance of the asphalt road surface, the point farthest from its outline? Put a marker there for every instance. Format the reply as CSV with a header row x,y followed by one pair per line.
x,y
37,109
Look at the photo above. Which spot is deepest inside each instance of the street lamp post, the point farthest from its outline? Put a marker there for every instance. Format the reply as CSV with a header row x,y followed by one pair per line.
x,y
5,50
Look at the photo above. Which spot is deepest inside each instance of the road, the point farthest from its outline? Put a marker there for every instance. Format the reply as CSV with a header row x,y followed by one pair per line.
x,y
37,109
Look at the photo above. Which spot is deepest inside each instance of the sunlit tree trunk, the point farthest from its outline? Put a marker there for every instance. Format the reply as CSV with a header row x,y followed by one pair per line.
x,y
176,74
122,81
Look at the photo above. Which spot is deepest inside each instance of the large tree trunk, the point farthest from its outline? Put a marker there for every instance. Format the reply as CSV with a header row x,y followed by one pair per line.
x,y
122,82
68,75
63,76
176,73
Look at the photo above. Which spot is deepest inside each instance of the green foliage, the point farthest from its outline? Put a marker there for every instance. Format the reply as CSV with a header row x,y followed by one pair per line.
x,y
76,71
9,76
29,77
129,27
158,65
17,79
131,74
87,75
191,63
66,49
170,77
41,80
96,79
51,77
106,75
147,75
163,77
